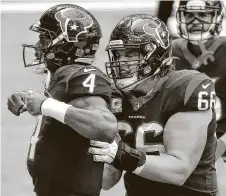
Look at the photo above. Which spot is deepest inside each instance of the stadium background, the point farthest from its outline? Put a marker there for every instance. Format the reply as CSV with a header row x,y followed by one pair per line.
x,y
16,18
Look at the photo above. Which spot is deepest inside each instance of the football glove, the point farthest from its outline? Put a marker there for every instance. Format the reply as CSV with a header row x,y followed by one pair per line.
x,y
122,156
103,151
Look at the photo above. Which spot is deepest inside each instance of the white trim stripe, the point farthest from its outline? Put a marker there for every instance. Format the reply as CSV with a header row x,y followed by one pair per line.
x,y
39,7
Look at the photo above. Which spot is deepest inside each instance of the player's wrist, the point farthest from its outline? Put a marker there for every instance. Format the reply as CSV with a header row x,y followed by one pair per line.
x,y
128,159
55,109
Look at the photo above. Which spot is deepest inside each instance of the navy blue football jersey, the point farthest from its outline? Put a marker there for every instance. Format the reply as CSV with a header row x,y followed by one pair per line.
x,y
58,158
191,58
143,114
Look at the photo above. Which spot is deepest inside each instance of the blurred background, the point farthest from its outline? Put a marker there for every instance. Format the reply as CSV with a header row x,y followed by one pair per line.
x,y
16,18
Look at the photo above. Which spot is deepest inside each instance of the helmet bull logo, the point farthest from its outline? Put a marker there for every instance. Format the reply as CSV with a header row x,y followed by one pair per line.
x,y
73,23
152,30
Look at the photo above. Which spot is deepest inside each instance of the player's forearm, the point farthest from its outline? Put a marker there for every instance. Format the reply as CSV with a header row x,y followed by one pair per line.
x,y
93,124
221,146
164,168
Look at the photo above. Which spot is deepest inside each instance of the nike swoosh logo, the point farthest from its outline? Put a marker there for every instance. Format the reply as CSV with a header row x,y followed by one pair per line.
x,y
87,70
205,86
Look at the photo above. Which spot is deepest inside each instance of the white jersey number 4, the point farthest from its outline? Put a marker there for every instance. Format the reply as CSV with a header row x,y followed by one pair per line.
x,y
89,82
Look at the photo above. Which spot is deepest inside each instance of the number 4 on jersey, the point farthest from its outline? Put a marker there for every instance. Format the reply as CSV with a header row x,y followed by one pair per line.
x,y
89,82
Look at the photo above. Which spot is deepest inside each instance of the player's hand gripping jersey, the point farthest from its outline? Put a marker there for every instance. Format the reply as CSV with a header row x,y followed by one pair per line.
x,y
141,123
58,150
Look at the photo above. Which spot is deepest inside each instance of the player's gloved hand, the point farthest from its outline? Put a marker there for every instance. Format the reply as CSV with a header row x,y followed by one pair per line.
x,y
17,102
103,151
34,102
123,157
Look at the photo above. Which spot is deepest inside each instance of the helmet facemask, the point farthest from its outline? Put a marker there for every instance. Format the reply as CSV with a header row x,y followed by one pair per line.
x,y
139,61
38,54
51,50
124,73
73,35
198,21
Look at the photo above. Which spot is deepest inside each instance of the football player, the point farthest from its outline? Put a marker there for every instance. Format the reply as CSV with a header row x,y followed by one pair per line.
x,y
74,107
199,24
166,118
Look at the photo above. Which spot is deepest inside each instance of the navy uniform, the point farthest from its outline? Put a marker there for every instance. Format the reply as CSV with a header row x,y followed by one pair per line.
x,y
58,158
142,116
190,58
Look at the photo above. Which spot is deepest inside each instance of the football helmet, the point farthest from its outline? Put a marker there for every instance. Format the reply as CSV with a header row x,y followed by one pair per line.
x,y
145,34
67,33
199,20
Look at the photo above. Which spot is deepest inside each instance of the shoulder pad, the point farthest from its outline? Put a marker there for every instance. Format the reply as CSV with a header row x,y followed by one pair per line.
x,y
188,84
193,84
65,71
199,94
92,70
180,78
194,90
82,80
88,80
72,71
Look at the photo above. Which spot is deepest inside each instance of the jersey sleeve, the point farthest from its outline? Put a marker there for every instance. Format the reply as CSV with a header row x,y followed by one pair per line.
x,y
199,94
88,81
